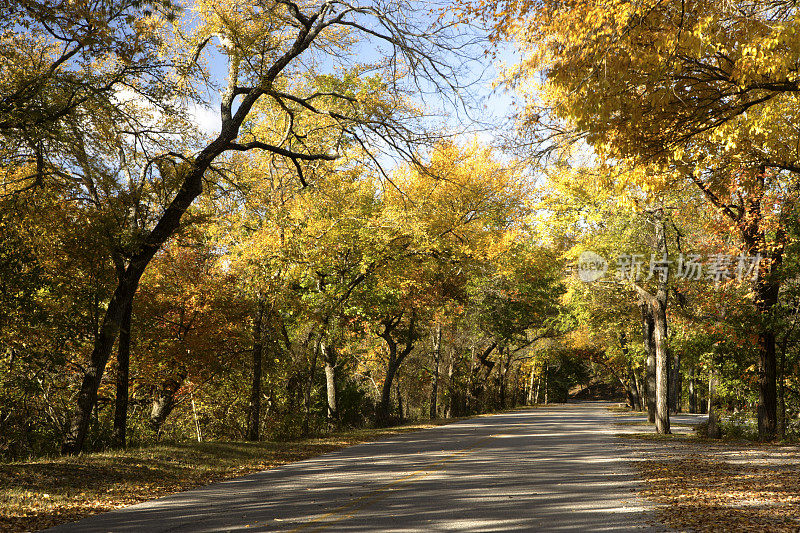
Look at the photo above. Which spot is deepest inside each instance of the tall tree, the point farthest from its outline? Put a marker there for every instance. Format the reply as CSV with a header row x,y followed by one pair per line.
x,y
263,43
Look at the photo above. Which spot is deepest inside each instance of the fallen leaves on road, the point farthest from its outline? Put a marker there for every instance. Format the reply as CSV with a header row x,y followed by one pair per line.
x,y
704,485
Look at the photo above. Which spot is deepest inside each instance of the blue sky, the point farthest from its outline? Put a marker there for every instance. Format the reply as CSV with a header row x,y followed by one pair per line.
x,y
485,117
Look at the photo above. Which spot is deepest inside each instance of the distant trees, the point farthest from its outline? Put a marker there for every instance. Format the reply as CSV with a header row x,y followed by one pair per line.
x,y
703,91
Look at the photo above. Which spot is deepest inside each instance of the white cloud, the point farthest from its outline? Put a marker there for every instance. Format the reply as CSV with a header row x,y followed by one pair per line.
x,y
206,118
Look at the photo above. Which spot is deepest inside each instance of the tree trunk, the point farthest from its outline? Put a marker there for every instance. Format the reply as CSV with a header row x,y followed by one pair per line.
x,y
123,295
631,386
781,414
649,346
190,174
749,219
692,392
437,352
452,391
629,394
503,377
713,407
104,342
390,324
309,386
164,402
654,314
531,386
329,352
767,289
399,393
637,399
385,405
546,391
675,383
767,381
254,409
662,385
118,437
639,389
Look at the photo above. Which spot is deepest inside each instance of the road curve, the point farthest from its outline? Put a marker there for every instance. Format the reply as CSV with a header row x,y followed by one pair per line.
x,y
555,468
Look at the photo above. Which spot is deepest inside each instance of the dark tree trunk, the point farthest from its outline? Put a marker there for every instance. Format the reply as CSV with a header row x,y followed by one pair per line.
x,y
396,358
767,289
385,404
748,217
437,352
630,386
190,172
629,394
713,407
118,436
87,394
675,382
399,394
546,371
502,377
254,408
766,296
767,381
692,391
164,401
309,386
516,391
126,289
781,414
649,346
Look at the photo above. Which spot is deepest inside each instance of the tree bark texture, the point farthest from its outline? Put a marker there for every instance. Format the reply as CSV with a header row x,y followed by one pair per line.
x,y
119,435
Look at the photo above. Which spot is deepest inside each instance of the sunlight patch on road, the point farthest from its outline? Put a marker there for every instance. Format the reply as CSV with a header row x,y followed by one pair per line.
x,y
351,508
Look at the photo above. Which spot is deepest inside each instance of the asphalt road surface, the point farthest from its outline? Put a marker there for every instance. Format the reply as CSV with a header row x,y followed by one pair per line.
x,y
555,468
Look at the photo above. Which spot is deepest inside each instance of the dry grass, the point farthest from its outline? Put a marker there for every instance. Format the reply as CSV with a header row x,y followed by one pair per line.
x,y
42,493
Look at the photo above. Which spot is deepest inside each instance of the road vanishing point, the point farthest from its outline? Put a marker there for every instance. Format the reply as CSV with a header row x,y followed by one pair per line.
x,y
554,468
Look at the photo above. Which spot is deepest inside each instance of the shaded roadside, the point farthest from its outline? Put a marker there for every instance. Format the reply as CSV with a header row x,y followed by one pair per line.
x,y
710,485
45,492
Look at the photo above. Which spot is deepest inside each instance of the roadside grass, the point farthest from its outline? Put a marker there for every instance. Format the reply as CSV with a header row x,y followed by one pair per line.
x,y
620,409
646,423
41,493
709,485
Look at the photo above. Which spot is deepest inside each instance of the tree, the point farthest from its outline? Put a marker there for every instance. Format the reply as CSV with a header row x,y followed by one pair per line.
x,y
705,90
49,51
263,43
191,324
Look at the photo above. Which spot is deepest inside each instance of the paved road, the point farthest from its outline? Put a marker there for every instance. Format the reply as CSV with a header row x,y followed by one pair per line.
x,y
544,469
